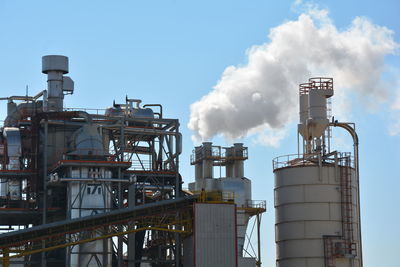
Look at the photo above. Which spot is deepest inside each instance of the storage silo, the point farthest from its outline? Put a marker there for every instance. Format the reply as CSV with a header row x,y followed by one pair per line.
x,y
316,196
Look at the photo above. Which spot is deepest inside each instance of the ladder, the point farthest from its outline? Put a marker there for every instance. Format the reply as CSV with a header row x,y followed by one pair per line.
x,y
347,206
329,251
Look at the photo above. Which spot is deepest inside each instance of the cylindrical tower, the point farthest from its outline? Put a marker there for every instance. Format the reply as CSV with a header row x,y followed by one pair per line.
x,y
239,162
316,193
317,221
208,171
55,67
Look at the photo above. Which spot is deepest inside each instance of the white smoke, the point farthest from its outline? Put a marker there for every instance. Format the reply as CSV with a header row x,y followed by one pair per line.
x,y
262,96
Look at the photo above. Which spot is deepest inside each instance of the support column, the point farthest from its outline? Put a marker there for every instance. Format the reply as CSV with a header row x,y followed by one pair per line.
x,y
131,237
120,241
44,209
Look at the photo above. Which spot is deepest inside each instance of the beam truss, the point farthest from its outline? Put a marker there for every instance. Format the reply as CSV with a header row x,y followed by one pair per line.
x,y
156,217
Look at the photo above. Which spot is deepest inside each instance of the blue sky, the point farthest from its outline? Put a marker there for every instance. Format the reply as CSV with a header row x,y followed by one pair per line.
x,y
174,52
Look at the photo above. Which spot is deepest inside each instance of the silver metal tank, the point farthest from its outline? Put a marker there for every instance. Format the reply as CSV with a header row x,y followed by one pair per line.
x,y
310,228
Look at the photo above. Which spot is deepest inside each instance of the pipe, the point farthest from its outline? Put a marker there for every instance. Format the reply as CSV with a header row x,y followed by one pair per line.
x,y
116,180
144,131
17,97
354,135
23,98
63,115
44,208
154,187
39,95
258,263
156,105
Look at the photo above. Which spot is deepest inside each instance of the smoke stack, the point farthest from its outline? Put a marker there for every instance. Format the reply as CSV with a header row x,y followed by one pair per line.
x,y
55,67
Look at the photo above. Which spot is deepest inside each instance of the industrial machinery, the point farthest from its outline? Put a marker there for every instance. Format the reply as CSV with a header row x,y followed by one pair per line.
x,y
84,187
59,164
233,187
317,191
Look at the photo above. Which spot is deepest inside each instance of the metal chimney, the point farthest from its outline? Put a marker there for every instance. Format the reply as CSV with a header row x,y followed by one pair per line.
x,y
55,67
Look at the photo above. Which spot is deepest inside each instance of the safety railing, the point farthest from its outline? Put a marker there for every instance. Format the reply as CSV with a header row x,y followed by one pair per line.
x,y
235,153
310,159
214,196
201,153
257,204
229,153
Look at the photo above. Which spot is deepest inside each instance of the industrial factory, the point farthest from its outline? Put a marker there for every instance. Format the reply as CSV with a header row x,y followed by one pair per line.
x,y
84,187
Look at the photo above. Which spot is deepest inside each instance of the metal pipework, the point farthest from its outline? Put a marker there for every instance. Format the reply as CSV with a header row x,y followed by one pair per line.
x,y
156,105
23,98
114,180
353,133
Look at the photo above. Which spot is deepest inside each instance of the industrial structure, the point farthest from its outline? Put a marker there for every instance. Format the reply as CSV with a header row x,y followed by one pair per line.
x,y
102,188
317,190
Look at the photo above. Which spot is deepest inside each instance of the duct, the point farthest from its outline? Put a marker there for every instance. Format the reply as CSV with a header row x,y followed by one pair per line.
x,y
16,113
12,187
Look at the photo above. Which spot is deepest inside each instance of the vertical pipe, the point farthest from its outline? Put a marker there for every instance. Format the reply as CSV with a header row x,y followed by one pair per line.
x,y
258,240
354,135
177,150
131,237
178,189
356,162
122,140
44,210
122,148
120,206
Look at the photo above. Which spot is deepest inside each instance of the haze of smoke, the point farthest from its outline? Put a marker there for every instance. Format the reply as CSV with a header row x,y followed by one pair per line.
x,y
262,96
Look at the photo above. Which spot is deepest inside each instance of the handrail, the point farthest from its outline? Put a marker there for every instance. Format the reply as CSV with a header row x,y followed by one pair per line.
x,y
299,160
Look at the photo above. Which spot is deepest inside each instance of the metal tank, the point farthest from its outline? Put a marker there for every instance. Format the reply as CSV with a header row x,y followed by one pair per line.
x,y
317,191
314,225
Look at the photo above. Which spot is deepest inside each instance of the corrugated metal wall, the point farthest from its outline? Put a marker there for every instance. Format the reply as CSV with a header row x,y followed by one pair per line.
x,y
215,235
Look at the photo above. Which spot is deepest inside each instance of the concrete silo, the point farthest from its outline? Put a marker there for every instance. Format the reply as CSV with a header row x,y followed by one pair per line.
x,y
316,191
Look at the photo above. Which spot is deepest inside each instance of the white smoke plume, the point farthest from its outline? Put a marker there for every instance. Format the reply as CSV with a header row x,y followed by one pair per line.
x,y
262,96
